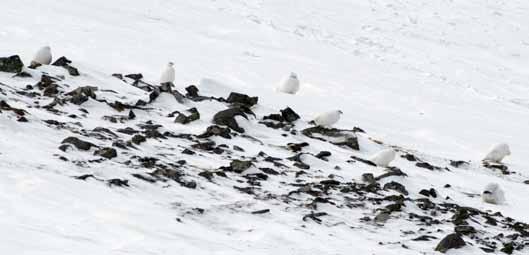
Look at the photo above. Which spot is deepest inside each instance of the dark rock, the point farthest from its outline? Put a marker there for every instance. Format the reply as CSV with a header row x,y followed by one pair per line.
x,y
270,171
425,238
118,182
81,94
465,230
323,155
314,216
107,152
78,143
295,147
185,119
188,152
135,77
131,115
238,98
240,166
391,171
458,163
396,186
227,118
216,131
62,61
138,139
409,157
261,211
144,178
289,115
365,161
426,165
192,91
428,192
128,131
368,177
85,176
508,248
12,64
451,241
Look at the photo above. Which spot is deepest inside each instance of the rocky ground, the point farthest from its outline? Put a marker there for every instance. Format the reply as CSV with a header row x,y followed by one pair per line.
x,y
226,155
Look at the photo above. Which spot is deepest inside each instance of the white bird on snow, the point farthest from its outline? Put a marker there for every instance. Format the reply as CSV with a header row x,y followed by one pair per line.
x,y
42,57
383,157
498,152
327,119
168,74
493,194
289,85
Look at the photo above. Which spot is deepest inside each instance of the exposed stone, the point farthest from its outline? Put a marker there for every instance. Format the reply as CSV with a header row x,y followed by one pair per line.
x,y
465,230
240,166
185,119
227,118
138,139
78,143
396,186
451,241
238,98
12,64
107,152
289,115
81,94
216,131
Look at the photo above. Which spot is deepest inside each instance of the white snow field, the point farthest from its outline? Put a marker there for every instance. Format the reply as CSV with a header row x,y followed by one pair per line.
x,y
440,79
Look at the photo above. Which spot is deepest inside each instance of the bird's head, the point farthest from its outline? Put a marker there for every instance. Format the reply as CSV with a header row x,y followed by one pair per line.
x,y
340,112
170,64
293,75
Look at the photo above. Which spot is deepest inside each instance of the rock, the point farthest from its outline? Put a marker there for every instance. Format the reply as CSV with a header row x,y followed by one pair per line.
x,y
131,115
227,118
185,119
428,193
118,182
289,115
81,94
12,64
451,241
426,165
465,230
192,91
240,166
261,211
508,248
396,186
188,152
64,62
295,147
78,143
458,163
107,152
216,131
368,177
135,76
335,136
238,98
382,217
138,139
323,155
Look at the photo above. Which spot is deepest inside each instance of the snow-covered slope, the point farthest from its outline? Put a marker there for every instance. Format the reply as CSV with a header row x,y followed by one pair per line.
x,y
441,80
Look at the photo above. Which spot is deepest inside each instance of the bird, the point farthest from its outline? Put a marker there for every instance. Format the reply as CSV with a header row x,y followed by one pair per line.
x,y
290,85
327,119
497,153
383,157
42,57
493,194
168,74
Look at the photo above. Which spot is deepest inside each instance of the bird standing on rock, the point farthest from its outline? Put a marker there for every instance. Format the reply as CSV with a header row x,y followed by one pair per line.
x,y
327,119
290,85
498,152
168,74
42,57
383,157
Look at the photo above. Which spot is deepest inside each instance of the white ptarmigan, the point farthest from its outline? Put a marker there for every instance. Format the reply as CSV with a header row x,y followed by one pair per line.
x,y
327,119
42,57
383,157
498,152
493,194
289,85
168,74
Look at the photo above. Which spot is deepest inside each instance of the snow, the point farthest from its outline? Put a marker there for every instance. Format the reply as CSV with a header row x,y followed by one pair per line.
x,y
444,79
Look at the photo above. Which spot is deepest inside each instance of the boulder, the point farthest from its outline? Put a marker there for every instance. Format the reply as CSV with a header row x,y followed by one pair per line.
x,y
12,64
451,241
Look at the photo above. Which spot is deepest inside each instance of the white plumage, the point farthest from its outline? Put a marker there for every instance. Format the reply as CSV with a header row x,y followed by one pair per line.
x,y
168,74
383,157
43,56
493,194
498,152
328,118
289,85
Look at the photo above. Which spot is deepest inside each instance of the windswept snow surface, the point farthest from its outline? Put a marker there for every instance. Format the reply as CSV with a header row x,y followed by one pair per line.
x,y
443,79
